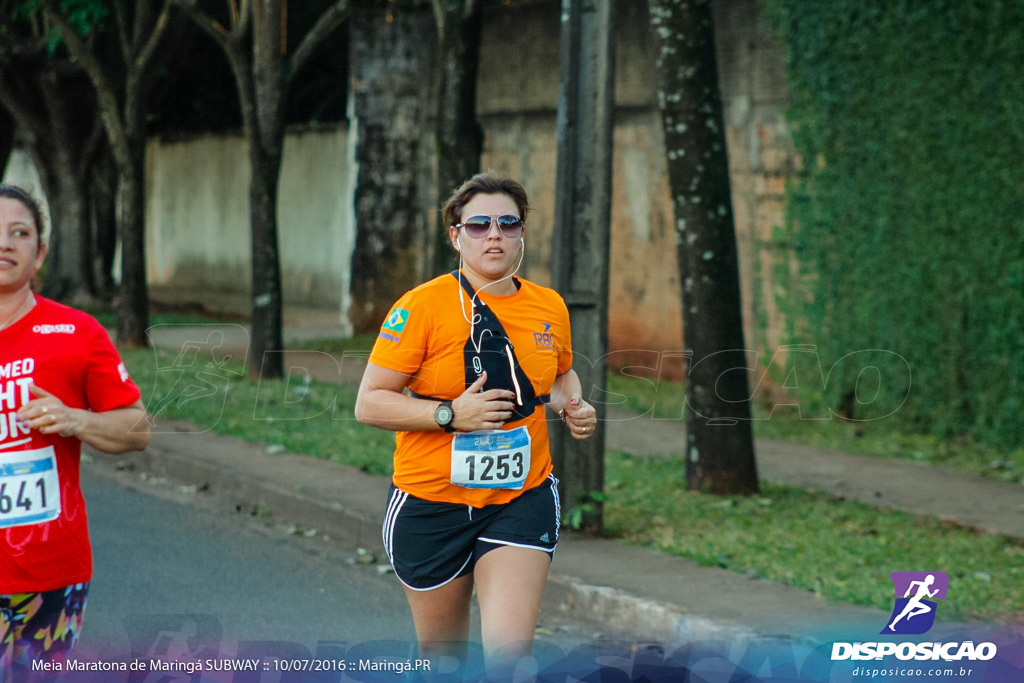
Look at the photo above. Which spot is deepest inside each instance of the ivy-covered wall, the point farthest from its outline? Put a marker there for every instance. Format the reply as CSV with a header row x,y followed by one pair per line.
x,y
907,222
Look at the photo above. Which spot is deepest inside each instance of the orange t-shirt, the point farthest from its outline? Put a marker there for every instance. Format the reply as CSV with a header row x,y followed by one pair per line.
x,y
424,337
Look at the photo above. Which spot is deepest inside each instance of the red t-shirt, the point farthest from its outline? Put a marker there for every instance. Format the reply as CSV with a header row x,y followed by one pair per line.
x,y
424,337
69,354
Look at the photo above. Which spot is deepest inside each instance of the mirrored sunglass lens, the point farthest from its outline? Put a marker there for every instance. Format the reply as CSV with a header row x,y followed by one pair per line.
x,y
477,225
509,223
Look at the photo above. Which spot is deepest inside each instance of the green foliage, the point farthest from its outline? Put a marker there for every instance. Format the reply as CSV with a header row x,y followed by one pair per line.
x,y
590,503
908,223
84,16
840,549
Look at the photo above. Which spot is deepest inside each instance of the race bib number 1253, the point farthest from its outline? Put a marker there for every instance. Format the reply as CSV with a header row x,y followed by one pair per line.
x,y
491,458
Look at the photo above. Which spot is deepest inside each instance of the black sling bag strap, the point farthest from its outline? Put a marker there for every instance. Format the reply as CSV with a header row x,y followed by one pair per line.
x,y
488,348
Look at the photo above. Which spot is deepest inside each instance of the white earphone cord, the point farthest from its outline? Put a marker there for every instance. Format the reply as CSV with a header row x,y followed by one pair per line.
x,y
472,302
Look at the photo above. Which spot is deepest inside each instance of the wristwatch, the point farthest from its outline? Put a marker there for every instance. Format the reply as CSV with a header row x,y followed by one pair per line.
x,y
444,415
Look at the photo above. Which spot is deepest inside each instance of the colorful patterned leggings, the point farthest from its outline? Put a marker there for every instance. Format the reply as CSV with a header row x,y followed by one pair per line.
x,y
35,626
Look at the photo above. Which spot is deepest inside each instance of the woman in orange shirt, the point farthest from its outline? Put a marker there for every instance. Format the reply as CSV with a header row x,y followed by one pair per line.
x,y
462,370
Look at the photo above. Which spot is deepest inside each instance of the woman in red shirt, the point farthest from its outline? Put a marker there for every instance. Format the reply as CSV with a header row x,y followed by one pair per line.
x,y
62,384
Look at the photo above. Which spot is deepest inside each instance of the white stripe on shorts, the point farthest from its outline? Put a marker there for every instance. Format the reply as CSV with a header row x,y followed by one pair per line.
x,y
388,532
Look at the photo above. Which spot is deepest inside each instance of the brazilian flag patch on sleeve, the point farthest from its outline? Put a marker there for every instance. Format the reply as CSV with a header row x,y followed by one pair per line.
x,y
396,320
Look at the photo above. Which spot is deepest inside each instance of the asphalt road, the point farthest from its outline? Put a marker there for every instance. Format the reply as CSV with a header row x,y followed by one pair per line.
x,y
182,575
166,560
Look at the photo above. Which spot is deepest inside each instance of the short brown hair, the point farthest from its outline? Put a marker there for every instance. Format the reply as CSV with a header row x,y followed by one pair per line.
x,y
489,182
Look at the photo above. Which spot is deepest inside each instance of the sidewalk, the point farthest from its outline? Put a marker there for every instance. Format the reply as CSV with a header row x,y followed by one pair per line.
x,y
628,590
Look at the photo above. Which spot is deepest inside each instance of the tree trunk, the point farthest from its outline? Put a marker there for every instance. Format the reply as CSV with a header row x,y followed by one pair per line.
x,y
6,139
66,279
267,310
103,190
390,80
582,238
720,449
459,136
263,110
265,154
133,300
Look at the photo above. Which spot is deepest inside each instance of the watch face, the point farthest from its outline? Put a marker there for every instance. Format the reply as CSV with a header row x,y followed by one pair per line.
x,y
443,415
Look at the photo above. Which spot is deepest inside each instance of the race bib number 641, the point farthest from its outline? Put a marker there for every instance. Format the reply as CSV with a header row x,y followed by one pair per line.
x,y
491,458
29,487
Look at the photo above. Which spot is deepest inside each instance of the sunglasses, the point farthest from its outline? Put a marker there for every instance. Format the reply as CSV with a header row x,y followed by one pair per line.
x,y
478,226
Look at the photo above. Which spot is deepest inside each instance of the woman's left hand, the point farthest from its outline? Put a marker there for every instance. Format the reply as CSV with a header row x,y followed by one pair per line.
x,y
580,418
48,414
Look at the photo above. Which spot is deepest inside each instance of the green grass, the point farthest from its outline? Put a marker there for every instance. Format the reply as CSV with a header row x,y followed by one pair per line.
x,y
841,550
338,346
317,422
878,438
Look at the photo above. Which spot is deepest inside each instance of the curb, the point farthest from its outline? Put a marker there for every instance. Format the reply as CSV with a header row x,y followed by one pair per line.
x,y
637,618
235,486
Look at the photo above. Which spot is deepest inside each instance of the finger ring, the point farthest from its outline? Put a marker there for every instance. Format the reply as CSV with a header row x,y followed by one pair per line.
x,y
54,420
45,411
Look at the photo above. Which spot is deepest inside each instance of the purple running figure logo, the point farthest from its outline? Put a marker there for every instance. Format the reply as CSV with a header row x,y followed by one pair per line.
x,y
916,592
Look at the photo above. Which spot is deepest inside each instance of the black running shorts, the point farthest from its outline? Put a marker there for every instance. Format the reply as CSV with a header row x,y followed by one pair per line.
x,y
430,544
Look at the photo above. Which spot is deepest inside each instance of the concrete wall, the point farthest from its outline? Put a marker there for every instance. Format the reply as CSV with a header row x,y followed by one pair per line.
x,y
197,222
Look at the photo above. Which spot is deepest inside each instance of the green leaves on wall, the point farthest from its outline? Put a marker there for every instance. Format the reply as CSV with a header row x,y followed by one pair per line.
x,y
908,220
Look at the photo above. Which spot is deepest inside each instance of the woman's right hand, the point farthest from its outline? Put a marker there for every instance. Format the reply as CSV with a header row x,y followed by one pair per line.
x,y
478,409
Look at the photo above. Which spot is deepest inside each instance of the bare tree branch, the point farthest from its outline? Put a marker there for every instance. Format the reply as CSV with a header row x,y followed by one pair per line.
x,y
212,28
229,38
93,146
325,25
123,35
242,20
439,15
155,36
